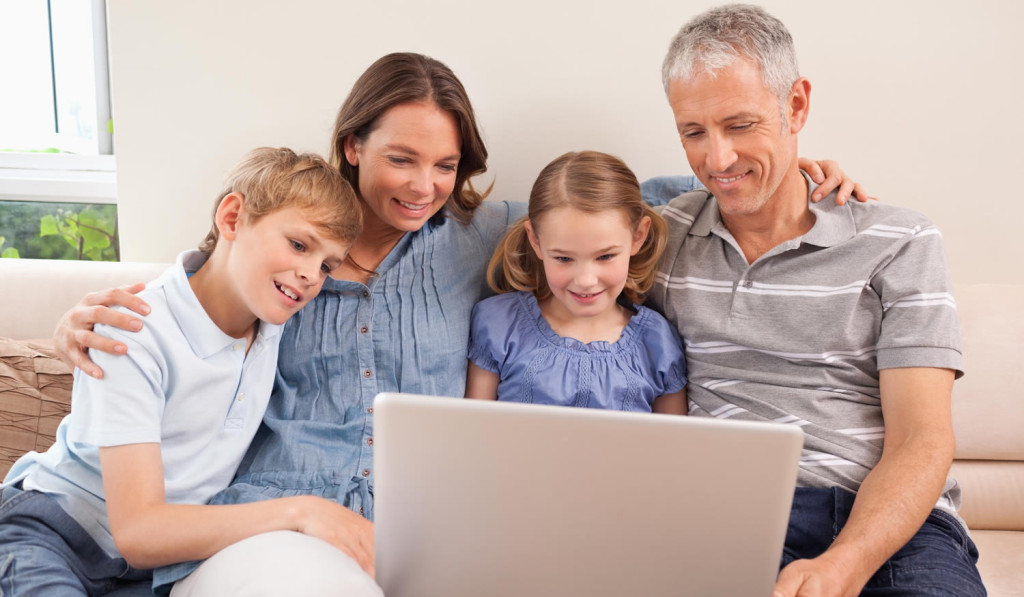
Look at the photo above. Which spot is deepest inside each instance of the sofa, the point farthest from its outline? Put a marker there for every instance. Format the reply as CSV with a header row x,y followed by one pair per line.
x,y
988,402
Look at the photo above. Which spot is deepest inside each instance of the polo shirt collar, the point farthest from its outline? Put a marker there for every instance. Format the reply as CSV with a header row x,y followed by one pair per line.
x,y
833,223
203,336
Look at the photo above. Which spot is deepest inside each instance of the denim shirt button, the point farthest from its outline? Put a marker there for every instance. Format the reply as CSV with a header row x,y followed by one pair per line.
x,y
366,294
364,329
369,442
367,373
369,411
366,472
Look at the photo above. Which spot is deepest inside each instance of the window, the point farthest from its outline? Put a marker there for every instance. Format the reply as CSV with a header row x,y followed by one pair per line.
x,y
57,180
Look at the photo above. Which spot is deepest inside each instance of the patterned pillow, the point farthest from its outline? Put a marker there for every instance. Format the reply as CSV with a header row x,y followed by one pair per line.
x,y
35,394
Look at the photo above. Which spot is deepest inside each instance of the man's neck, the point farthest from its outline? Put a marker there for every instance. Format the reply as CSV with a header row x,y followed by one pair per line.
x,y
784,217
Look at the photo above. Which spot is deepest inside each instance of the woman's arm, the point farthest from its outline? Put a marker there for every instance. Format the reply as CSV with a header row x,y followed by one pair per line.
x,y
150,532
481,383
73,336
672,404
830,176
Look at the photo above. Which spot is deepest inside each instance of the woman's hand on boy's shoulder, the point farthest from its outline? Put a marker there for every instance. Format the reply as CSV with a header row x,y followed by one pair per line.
x,y
74,336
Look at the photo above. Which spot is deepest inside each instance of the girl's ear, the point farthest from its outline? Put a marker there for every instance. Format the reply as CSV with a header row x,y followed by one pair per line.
x,y
229,215
532,237
640,234
351,147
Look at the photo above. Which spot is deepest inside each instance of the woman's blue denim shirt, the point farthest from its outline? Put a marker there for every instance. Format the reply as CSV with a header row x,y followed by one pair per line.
x,y
406,330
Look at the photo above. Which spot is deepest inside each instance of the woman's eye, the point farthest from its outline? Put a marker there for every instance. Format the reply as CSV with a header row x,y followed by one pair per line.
x,y
448,167
397,160
298,246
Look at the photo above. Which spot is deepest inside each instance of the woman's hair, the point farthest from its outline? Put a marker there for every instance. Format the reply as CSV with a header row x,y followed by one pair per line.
x,y
591,182
270,178
402,78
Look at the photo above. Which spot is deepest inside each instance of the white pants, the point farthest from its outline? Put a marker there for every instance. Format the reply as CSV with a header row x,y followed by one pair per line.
x,y
278,563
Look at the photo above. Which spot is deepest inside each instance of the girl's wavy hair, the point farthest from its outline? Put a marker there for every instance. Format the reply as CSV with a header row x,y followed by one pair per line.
x,y
591,182
271,178
401,78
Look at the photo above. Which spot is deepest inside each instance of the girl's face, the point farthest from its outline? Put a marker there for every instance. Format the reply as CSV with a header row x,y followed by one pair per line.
x,y
586,258
407,165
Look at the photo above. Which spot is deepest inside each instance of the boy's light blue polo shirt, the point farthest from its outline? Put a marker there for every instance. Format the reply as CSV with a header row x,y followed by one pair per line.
x,y
184,384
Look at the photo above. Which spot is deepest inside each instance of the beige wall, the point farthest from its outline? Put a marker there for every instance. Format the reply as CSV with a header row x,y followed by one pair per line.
x,y
917,99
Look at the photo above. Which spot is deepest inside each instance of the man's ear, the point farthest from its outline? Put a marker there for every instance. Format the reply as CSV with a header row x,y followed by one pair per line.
x,y
532,237
640,235
351,149
229,215
798,105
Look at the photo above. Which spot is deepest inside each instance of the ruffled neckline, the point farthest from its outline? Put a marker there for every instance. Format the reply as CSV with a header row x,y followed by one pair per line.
x,y
628,338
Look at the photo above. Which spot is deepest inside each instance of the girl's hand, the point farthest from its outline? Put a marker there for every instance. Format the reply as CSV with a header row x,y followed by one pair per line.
x,y
339,526
73,336
830,176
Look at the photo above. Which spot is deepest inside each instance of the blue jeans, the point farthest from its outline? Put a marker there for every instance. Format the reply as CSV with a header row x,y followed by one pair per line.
x,y
939,560
43,551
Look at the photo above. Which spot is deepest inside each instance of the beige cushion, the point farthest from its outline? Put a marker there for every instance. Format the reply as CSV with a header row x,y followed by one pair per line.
x,y
988,402
35,395
1001,562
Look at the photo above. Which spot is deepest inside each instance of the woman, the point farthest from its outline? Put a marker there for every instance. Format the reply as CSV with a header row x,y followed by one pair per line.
x,y
397,319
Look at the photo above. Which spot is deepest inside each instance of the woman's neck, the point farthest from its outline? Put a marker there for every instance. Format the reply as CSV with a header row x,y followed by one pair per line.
x,y
369,249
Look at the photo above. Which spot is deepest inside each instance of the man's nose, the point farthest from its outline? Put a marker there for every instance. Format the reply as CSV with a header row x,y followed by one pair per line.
x,y
721,155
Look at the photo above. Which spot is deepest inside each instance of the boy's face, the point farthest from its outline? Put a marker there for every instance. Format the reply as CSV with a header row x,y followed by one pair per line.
x,y
280,261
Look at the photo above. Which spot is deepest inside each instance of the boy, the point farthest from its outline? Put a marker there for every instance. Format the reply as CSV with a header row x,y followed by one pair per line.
x,y
169,423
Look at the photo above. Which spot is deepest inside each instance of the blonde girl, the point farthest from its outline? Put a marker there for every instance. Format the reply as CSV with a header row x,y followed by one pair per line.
x,y
568,327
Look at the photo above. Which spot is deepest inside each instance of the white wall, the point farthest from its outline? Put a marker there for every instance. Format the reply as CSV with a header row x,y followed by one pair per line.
x,y
918,99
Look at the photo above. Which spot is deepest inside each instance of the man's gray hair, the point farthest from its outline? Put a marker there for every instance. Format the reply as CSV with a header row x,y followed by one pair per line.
x,y
715,39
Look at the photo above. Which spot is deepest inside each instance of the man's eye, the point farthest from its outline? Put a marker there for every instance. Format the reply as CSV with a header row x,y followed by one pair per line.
x,y
692,134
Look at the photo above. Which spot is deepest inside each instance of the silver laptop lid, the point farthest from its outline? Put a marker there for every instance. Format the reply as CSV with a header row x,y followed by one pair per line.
x,y
476,498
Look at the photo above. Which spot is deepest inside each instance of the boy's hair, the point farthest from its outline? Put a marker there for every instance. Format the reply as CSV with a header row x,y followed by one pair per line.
x,y
592,182
270,178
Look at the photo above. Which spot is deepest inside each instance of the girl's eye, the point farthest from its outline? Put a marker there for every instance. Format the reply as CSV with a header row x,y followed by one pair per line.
x,y
298,246
606,257
562,259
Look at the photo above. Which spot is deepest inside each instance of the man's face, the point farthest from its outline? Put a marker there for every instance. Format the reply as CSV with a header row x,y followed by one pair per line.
x,y
735,139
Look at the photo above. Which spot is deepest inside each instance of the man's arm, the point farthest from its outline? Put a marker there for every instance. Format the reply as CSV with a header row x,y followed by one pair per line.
x,y
899,493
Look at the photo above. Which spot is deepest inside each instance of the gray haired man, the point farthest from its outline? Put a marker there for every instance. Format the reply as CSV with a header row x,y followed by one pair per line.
x,y
836,318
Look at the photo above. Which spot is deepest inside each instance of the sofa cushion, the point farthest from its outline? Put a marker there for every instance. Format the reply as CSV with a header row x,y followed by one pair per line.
x,y
35,395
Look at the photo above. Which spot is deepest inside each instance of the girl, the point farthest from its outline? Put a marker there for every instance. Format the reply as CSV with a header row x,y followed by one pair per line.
x,y
567,327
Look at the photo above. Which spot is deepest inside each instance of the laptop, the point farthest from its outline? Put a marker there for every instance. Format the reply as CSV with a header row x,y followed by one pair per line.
x,y
493,499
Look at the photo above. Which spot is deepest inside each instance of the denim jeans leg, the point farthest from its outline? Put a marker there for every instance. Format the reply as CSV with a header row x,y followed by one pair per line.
x,y
939,560
43,551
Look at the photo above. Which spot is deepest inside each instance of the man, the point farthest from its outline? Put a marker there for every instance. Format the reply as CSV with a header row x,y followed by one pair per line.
x,y
839,319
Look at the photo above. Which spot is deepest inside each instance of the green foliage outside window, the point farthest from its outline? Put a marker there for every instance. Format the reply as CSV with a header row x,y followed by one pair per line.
x,y
58,231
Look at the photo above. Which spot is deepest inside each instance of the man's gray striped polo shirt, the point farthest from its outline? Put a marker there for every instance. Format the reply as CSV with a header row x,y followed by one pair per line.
x,y
799,336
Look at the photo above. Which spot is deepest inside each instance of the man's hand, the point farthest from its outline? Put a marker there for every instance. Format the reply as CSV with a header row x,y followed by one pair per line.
x,y
73,336
818,577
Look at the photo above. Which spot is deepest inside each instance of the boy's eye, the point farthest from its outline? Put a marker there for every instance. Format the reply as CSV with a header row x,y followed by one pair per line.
x,y
298,246
326,269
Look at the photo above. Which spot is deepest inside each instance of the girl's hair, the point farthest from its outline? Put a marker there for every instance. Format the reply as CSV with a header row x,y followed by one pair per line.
x,y
592,182
270,178
402,78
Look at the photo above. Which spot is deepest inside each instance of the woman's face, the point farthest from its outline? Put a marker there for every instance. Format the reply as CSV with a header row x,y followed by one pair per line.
x,y
407,165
